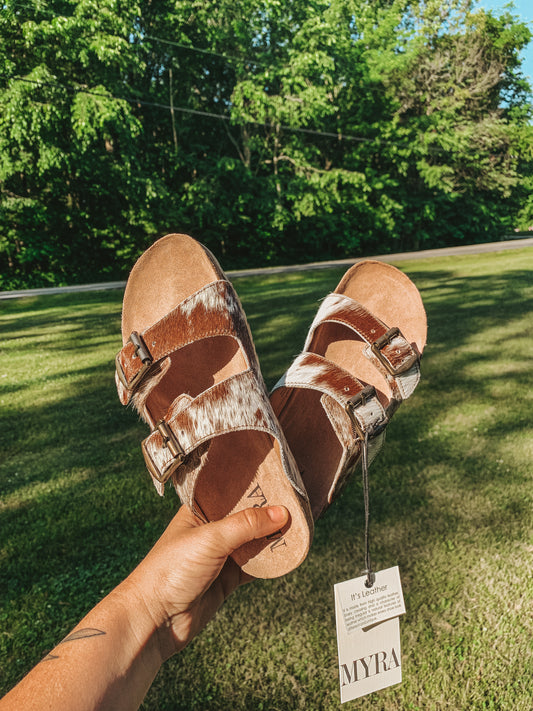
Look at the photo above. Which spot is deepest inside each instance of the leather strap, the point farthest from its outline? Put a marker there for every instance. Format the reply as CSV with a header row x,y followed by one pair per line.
x,y
396,354
360,404
209,312
353,410
387,348
234,404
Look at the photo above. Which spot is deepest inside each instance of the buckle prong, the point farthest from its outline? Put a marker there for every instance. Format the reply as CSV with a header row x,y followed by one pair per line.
x,y
142,352
170,441
356,401
386,338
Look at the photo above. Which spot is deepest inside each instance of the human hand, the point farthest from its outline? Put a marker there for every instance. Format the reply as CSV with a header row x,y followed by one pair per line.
x,y
187,575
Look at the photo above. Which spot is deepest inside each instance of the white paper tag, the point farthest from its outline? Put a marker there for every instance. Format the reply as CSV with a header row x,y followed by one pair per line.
x,y
362,606
369,660
368,633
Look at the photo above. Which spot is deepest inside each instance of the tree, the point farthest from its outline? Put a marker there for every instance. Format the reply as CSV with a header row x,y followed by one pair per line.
x,y
273,131
430,110
68,146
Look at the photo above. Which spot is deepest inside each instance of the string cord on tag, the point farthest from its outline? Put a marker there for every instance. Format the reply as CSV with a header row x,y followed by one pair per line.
x,y
370,575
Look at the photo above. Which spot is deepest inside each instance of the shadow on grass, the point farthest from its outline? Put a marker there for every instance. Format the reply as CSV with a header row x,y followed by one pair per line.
x,y
77,510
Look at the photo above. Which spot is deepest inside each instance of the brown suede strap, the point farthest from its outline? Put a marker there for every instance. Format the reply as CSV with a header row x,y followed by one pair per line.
x,y
208,312
360,403
388,347
237,403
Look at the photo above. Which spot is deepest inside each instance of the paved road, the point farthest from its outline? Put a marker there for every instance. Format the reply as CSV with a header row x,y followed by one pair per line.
x,y
390,258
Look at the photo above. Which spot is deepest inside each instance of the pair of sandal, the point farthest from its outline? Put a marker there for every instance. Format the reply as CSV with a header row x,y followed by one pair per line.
x,y
189,367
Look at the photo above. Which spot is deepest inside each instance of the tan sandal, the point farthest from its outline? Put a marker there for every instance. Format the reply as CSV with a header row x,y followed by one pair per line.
x,y
189,367
361,359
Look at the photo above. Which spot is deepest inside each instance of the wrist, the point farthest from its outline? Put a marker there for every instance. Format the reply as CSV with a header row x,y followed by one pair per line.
x,y
149,616
142,628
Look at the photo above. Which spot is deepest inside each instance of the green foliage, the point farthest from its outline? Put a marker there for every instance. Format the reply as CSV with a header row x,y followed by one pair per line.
x,y
273,131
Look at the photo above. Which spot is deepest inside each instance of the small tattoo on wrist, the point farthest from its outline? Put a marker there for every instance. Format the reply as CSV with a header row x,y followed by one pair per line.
x,y
73,637
82,634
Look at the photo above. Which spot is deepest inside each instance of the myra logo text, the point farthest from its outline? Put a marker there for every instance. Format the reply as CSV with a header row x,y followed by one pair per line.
x,y
366,667
261,500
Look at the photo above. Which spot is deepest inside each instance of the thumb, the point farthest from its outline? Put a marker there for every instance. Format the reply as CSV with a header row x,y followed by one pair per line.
x,y
239,528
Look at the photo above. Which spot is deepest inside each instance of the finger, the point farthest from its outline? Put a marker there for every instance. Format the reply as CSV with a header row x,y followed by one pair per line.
x,y
237,529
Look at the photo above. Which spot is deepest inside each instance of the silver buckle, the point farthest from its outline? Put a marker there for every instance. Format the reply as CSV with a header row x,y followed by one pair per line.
x,y
356,401
383,341
170,441
142,352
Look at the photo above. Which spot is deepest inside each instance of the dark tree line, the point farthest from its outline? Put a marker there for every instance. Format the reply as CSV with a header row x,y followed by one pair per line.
x,y
274,131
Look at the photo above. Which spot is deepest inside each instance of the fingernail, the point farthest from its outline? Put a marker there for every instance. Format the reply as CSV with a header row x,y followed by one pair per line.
x,y
278,514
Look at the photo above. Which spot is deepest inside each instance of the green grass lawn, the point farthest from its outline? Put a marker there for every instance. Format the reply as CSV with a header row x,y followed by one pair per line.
x,y
451,501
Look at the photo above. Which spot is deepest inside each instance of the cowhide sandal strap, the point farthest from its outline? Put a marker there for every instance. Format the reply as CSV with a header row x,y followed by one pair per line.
x,y
210,312
388,350
190,423
354,410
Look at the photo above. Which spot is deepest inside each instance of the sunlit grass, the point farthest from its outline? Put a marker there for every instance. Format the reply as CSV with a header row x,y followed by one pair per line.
x,y
451,501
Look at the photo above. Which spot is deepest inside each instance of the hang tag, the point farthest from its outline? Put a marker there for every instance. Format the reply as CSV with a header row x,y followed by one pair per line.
x,y
362,606
368,633
369,659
